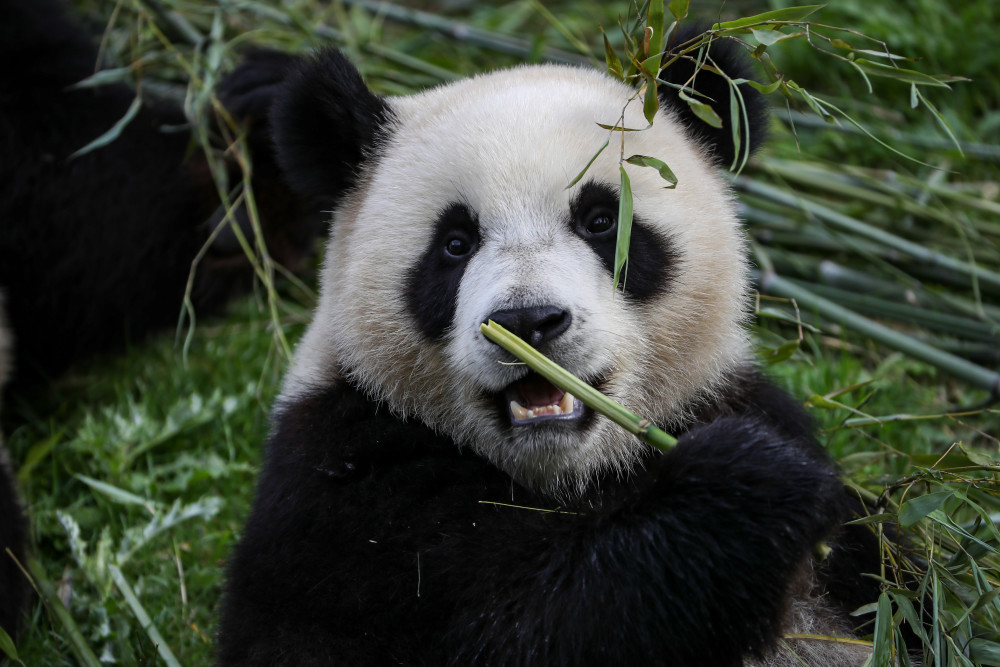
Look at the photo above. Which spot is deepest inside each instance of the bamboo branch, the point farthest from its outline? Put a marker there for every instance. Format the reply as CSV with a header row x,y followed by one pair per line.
x,y
462,32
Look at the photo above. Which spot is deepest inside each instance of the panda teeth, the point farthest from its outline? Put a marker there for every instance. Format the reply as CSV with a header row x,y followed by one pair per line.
x,y
563,407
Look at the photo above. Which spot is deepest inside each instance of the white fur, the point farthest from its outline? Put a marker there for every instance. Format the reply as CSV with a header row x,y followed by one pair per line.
x,y
507,144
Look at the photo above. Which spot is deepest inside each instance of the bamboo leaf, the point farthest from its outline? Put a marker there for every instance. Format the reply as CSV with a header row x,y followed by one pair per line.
x,y
905,606
915,509
625,211
104,77
650,69
943,519
650,100
679,9
940,119
886,517
882,652
629,47
789,14
587,167
760,87
869,608
988,521
985,652
654,25
659,165
775,355
701,110
827,403
614,65
813,103
978,457
619,128
7,646
770,37
898,73
114,132
784,316
737,121
879,54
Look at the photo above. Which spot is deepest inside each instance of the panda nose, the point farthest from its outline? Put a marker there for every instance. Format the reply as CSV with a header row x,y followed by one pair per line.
x,y
534,325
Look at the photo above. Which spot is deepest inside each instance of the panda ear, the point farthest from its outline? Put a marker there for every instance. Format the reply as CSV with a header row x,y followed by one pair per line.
x,y
324,121
715,91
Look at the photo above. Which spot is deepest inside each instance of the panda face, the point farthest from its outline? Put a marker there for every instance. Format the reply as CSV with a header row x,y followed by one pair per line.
x,y
462,214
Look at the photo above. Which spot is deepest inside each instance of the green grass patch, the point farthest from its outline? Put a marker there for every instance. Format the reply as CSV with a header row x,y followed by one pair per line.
x,y
140,468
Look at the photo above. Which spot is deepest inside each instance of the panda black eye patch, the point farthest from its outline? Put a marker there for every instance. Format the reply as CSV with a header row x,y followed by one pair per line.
x,y
432,282
652,259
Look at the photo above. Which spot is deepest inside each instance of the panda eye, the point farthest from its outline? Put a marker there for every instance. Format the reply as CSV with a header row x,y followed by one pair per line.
x,y
457,245
599,223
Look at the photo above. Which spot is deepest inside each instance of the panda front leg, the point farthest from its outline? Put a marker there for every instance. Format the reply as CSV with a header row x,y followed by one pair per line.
x,y
377,541
696,570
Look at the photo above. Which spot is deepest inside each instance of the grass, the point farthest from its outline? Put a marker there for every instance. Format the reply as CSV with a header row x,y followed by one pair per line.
x,y
140,467
146,464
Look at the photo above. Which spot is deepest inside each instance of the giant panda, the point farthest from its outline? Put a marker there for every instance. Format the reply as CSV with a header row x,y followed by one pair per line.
x,y
96,250
426,501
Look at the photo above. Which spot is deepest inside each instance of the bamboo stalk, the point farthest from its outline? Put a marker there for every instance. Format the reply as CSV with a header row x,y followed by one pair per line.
x,y
965,370
845,278
465,33
327,33
784,231
983,151
948,323
891,196
900,185
595,400
847,223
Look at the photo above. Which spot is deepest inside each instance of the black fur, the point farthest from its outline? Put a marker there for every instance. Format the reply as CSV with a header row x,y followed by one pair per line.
x,y
373,541
857,548
652,261
13,536
715,91
432,282
95,250
325,122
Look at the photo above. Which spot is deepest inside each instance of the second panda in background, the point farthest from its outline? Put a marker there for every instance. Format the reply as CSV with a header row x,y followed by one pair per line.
x,y
96,248
425,502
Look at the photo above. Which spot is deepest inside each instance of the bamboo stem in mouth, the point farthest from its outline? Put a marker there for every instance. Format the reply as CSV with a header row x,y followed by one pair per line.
x,y
595,400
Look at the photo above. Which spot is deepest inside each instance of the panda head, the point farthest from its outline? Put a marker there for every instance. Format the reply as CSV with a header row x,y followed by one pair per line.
x,y
451,207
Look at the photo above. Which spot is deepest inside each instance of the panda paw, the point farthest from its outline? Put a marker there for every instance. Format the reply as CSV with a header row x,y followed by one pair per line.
x,y
741,466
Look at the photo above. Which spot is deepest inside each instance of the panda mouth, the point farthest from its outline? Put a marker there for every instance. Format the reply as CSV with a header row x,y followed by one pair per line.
x,y
534,399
